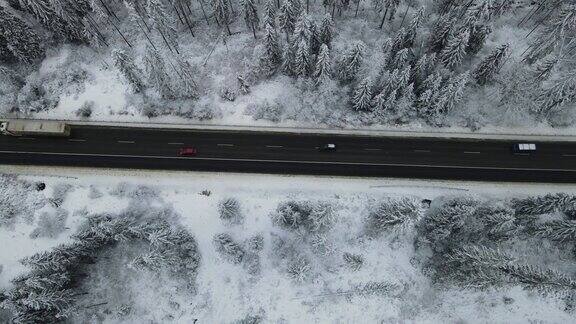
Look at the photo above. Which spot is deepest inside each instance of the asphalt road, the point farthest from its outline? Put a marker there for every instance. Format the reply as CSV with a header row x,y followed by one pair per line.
x,y
117,147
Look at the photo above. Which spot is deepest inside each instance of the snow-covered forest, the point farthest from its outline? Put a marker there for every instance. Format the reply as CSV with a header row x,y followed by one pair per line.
x,y
228,249
331,63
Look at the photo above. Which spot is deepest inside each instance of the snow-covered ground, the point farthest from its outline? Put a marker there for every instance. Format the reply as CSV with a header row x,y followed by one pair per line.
x,y
299,276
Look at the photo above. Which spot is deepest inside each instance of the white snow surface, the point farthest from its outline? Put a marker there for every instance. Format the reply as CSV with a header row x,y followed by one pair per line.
x,y
225,292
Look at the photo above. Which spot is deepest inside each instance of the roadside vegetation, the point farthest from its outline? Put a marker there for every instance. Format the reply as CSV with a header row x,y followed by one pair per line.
x,y
335,63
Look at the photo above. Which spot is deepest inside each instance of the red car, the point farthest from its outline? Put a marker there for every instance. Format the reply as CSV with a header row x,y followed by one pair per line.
x,y
188,151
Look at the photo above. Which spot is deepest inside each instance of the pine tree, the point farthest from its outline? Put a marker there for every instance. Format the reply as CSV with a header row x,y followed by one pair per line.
x,y
555,32
250,15
301,44
157,75
351,62
222,13
288,15
272,56
560,231
441,33
288,59
363,95
129,70
323,69
414,26
478,34
187,87
455,50
424,66
269,14
560,92
327,30
315,41
429,93
164,24
491,65
42,11
18,40
302,58
451,94
406,102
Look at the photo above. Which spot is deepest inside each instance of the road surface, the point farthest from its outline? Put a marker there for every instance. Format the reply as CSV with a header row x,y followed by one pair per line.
x,y
243,151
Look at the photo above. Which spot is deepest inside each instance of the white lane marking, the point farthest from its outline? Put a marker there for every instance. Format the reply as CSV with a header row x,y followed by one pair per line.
x,y
26,138
372,149
76,140
227,145
175,143
126,142
274,146
471,152
568,155
422,151
288,161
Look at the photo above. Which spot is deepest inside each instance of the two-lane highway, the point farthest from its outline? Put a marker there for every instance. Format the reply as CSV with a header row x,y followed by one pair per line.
x,y
244,151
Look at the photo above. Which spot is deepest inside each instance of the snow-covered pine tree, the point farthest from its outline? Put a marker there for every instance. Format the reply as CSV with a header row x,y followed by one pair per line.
x,y
222,13
384,105
302,58
391,6
555,33
157,75
323,69
269,13
42,11
441,33
558,93
478,34
559,230
288,15
429,93
543,70
17,40
363,95
415,24
301,46
491,65
424,66
405,105
351,62
453,54
272,55
129,70
164,24
451,94
327,30
187,88
288,58
315,41
250,15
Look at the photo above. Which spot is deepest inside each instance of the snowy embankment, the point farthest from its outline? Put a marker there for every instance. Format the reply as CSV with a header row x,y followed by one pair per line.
x,y
282,249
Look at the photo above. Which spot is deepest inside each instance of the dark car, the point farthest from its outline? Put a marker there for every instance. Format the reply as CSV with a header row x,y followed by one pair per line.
x,y
187,151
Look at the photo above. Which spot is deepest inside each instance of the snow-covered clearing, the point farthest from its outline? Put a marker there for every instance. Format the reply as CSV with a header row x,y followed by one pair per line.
x,y
337,269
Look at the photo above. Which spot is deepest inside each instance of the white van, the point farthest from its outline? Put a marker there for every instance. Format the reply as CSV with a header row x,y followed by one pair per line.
x,y
524,148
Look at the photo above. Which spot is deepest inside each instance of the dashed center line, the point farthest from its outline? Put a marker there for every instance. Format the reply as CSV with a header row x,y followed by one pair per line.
x,y
372,149
569,155
76,140
126,142
227,145
471,152
26,138
422,151
175,143
274,146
